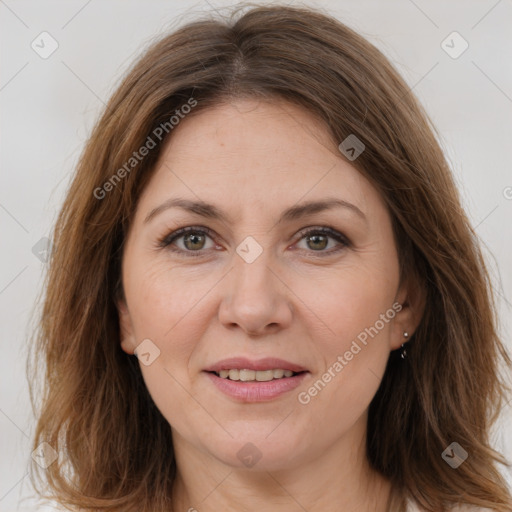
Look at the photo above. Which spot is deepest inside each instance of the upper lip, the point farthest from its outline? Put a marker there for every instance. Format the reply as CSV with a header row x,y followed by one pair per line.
x,y
242,363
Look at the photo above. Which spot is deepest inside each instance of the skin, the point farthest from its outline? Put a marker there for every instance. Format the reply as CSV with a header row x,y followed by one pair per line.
x,y
253,160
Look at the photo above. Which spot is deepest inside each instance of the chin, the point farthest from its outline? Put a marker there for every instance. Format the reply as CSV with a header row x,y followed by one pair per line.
x,y
258,452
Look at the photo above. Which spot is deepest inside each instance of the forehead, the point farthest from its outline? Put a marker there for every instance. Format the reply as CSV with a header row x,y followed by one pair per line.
x,y
256,155
260,131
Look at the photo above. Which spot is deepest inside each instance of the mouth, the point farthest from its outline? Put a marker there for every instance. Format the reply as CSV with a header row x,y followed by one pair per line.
x,y
247,375
246,380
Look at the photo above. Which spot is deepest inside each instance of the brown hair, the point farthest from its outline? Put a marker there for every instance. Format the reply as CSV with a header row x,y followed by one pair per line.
x,y
448,389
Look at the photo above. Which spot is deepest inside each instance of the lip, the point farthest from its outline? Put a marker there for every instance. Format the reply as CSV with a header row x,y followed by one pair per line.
x,y
242,363
255,391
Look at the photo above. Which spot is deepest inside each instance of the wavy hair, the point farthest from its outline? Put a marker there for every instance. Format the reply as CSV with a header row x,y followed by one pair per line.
x,y
449,389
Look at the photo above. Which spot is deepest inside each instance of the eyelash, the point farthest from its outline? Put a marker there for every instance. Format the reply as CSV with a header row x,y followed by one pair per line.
x,y
167,240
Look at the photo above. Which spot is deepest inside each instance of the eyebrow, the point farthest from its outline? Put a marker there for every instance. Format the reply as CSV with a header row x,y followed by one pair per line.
x,y
299,211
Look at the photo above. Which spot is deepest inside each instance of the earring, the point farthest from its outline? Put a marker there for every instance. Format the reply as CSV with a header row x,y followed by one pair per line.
x,y
403,351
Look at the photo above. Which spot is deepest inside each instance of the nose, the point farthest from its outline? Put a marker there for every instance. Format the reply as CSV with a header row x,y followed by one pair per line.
x,y
255,298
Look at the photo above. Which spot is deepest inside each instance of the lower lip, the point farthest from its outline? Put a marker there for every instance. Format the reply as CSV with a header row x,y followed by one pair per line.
x,y
256,391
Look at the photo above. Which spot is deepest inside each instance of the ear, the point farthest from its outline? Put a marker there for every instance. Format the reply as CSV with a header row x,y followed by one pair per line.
x,y
412,297
125,327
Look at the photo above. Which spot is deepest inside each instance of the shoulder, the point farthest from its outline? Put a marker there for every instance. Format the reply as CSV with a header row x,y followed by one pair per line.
x,y
412,507
470,508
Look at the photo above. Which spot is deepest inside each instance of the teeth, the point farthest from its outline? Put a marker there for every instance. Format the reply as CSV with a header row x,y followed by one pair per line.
x,y
253,375
246,375
263,376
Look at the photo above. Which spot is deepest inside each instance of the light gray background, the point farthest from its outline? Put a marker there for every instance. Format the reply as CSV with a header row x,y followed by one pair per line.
x,y
49,106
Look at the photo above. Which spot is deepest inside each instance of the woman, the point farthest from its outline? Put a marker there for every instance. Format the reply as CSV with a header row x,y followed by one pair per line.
x,y
264,292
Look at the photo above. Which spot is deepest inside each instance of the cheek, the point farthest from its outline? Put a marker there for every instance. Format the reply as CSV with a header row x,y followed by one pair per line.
x,y
348,301
356,309
167,306
163,299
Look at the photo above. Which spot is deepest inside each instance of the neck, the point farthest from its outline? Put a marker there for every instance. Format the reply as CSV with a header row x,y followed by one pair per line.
x,y
338,480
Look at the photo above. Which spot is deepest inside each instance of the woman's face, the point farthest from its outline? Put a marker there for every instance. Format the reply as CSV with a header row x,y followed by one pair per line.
x,y
257,285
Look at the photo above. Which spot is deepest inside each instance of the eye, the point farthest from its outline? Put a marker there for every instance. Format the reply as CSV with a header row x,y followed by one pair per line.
x,y
317,239
193,240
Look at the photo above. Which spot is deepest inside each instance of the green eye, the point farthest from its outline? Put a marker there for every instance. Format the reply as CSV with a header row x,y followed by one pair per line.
x,y
194,239
317,239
